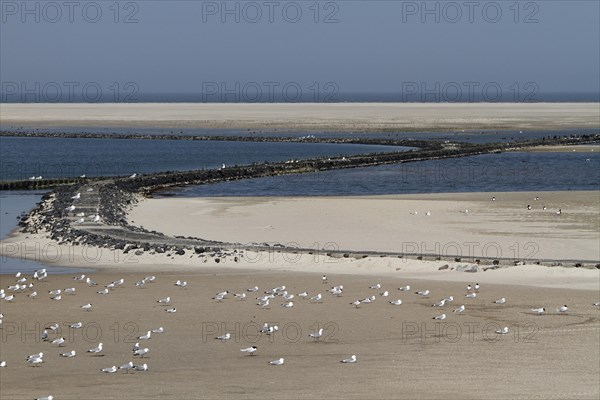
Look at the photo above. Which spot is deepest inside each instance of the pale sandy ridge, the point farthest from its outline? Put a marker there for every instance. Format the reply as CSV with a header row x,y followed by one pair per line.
x,y
303,116
504,228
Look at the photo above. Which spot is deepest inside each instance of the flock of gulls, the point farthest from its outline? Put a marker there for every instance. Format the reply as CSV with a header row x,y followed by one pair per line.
x,y
24,290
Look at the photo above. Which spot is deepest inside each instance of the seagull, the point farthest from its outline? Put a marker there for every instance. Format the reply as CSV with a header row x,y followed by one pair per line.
x,y
70,354
103,291
316,298
77,196
377,286
423,293
32,295
440,317
127,366
59,341
143,367
471,295
165,301
181,284
356,303
252,290
136,347
141,352
96,218
303,295
146,336
562,309
350,360
289,304
159,330
55,292
280,361
538,311
324,280
597,304
2,364
385,294
224,337
404,288
493,198
171,310
439,303
110,370
79,278
70,208
502,331
250,350
96,350
500,301
317,335
90,282
87,307
150,278
53,327
76,325
44,335
35,361
133,175
38,355
449,299
476,287
263,303
559,211
460,309
395,302
469,288
240,296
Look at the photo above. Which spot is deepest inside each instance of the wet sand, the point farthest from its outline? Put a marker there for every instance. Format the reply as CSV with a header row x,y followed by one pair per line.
x,y
549,356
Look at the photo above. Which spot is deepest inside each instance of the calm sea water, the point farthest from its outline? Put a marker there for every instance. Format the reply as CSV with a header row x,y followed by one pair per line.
x,y
57,158
486,173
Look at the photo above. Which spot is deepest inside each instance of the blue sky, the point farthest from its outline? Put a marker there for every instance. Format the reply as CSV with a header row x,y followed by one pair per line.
x,y
360,46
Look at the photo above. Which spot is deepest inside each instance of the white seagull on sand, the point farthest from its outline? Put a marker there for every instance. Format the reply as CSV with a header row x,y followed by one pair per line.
x,y
250,350
440,317
110,370
317,335
404,288
147,336
562,309
96,350
423,293
70,354
396,302
350,360
279,361
502,331
500,301
141,352
538,311
460,309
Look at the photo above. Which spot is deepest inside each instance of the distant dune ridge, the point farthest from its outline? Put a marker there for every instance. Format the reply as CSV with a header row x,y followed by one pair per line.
x,y
307,116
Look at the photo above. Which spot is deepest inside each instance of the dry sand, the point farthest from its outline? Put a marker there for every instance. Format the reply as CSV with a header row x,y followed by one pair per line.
x,y
318,117
549,356
503,228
